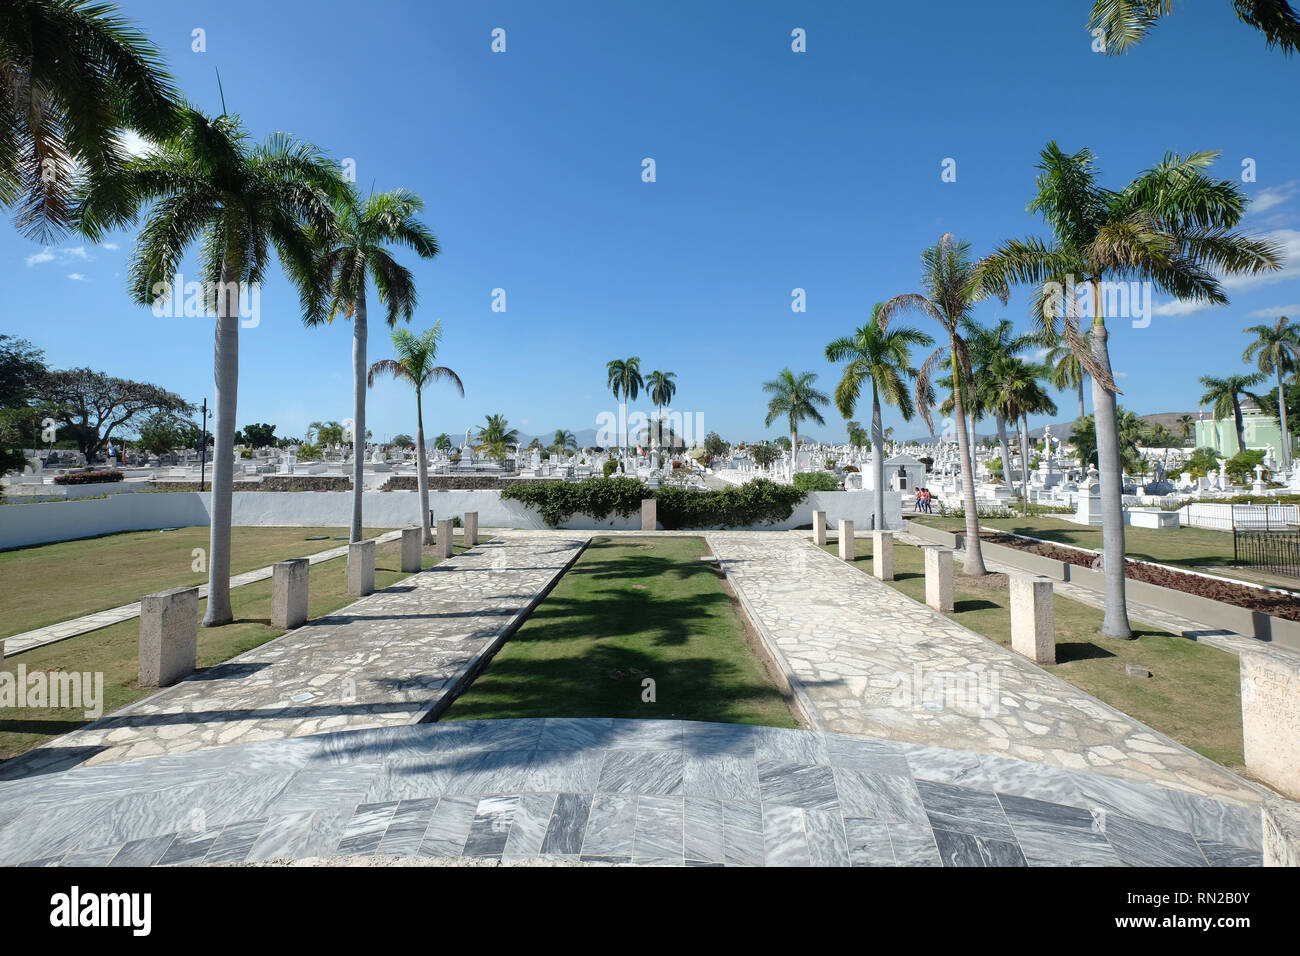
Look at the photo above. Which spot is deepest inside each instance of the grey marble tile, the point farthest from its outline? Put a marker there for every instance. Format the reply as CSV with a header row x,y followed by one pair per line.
x,y
882,797
563,771
575,733
1047,845
875,756
449,826
705,738
643,771
189,848
952,767
704,829
1021,810
1143,844
660,826
528,831
724,775
827,844
645,735
742,834
54,831
868,842
491,772
962,849
42,863
807,786
1219,822
407,826
611,826
1021,779
962,810
1133,800
411,778
1223,854
568,824
785,839
100,856
145,852
913,845
790,746
491,827
235,842
302,833
366,829
326,788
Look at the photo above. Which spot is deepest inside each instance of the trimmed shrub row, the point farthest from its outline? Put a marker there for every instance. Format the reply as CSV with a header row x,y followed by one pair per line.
x,y
88,478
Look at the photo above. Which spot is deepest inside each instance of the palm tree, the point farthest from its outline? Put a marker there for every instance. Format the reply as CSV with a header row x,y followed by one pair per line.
x,y
496,437
624,375
1065,371
443,441
414,364
74,75
1225,395
1171,227
353,251
1186,426
882,356
1125,23
564,440
1276,352
205,183
662,388
951,290
986,345
794,397
1016,393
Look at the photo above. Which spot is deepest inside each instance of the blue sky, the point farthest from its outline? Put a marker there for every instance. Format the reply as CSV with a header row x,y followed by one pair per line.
x,y
775,170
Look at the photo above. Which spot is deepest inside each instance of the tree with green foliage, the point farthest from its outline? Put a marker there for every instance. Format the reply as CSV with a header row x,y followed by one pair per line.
x,y
1224,394
495,437
661,388
1122,24
259,435
623,378
795,399
1276,352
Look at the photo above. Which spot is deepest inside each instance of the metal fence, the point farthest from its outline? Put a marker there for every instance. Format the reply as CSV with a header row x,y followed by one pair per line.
x,y
1231,517
1277,551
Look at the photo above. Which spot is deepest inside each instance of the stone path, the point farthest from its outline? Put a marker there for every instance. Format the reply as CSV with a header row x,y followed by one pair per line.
x,y
601,790
53,633
390,658
864,659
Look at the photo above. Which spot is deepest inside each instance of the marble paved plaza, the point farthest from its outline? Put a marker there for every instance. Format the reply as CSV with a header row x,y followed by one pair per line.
x,y
855,647
389,658
600,790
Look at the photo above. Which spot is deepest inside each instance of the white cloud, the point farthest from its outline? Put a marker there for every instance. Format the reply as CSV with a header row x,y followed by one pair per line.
x,y
64,255
1288,244
45,255
1180,307
76,252
76,277
1274,196
1276,310
135,144
111,246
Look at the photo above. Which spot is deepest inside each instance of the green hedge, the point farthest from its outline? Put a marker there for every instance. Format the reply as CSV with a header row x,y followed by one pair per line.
x,y
807,481
755,502
88,477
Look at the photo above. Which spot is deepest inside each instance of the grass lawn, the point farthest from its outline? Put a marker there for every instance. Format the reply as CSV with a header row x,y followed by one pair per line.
x,y
114,650
48,583
1186,547
1193,697
630,609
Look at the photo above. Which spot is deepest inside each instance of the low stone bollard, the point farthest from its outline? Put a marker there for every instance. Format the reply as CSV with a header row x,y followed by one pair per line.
x,y
882,555
846,540
1281,825
412,550
649,514
471,528
361,568
1033,621
445,547
289,583
1270,717
938,579
169,636
819,528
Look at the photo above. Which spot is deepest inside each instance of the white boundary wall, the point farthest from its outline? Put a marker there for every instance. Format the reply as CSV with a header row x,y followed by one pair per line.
x,y
44,522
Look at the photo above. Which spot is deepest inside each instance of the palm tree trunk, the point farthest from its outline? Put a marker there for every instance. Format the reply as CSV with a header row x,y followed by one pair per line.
x,y
1024,464
1281,413
974,553
225,364
1005,447
877,459
1241,426
794,445
358,410
1081,409
1115,619
422,469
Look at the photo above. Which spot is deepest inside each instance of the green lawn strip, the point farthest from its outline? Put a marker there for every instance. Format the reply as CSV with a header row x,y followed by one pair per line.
x,y
1188,547
49,583
114,650
1193,697
628,609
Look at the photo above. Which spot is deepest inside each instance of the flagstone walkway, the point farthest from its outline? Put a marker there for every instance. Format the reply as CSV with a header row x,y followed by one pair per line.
x,y
864,659
390,658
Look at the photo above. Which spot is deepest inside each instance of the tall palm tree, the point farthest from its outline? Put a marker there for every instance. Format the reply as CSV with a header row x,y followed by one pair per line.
x,y
74,75
206,183
795,399
564,440
986,345
1171,227
416,355
951,289
1225,395
1186,426
1276,352
1014,385
1125,23
662,388
883,356
1065,371
442,442
353,251
496,436
624,376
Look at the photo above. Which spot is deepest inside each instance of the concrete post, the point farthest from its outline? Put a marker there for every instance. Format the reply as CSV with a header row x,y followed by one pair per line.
x,y
882,555
846,540
289,583
1270,717
471,528
1033,623
938,579
412,550
169,636
361,568
446,539
649,514
819,528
